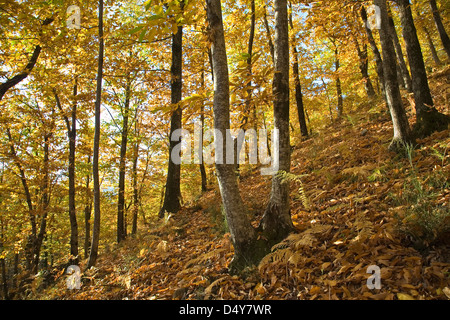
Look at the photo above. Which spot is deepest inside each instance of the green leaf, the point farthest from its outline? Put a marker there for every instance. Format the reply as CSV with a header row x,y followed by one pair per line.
x,y
135,30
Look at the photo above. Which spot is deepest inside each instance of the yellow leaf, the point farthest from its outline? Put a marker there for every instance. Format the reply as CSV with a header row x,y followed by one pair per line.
x,y
404,296
446,291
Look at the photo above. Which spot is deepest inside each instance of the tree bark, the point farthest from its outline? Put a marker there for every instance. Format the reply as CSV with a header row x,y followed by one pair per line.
x,y
394,100
135,177
376,52
4,87
95,161
121,231
406,78
172,194
428,119
440,27
269,36
72,134
200,151
243,235
340,105
364,68
276,222
298,87
432,47
87,215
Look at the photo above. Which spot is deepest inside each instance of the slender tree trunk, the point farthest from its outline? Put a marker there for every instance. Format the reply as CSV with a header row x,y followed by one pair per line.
x,y
276,221
72,207
432,47
269,36
32,217
364,68
4,277
10,83
376,53
135,178
121,232
172,194
428,119
298,87
394,99
406,78
95,161
243,235
87,215
44,205
440,27
248,100
340,106
72,134
200,151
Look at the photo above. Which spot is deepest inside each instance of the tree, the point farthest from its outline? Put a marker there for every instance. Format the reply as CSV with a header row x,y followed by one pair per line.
x,y
72,134
376,52
243,235
95,160
440,27
428,119
10,83
276,222
172,193
298,87
402,132
121,230
405,77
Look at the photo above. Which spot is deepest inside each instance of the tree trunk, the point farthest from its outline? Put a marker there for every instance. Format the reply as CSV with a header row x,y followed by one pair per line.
x,y
45,201
440,27
243,235
121,232
135,178
269,36
87,215
200,151
298,87
432,47
72,134
393,96
428,119
376,53
95,161
172,195
32,236
364,68
10,83
406,78
276,222
72,207
340,105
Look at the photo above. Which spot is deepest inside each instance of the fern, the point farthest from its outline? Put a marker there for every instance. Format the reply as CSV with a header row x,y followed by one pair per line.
x,y
286,177
289,250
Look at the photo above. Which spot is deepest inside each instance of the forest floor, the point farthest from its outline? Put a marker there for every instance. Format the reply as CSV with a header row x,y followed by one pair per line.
x,y
354,204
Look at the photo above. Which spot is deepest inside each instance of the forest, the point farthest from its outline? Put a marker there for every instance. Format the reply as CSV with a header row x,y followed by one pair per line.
x,y
236,150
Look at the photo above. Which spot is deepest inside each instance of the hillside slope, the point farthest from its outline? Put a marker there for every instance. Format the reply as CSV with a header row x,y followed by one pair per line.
x,y
354,204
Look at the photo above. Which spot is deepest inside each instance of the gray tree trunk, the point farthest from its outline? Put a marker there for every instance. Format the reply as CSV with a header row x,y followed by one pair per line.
x,y
95,160
428,119
393,97
276,222
243,235
440,27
